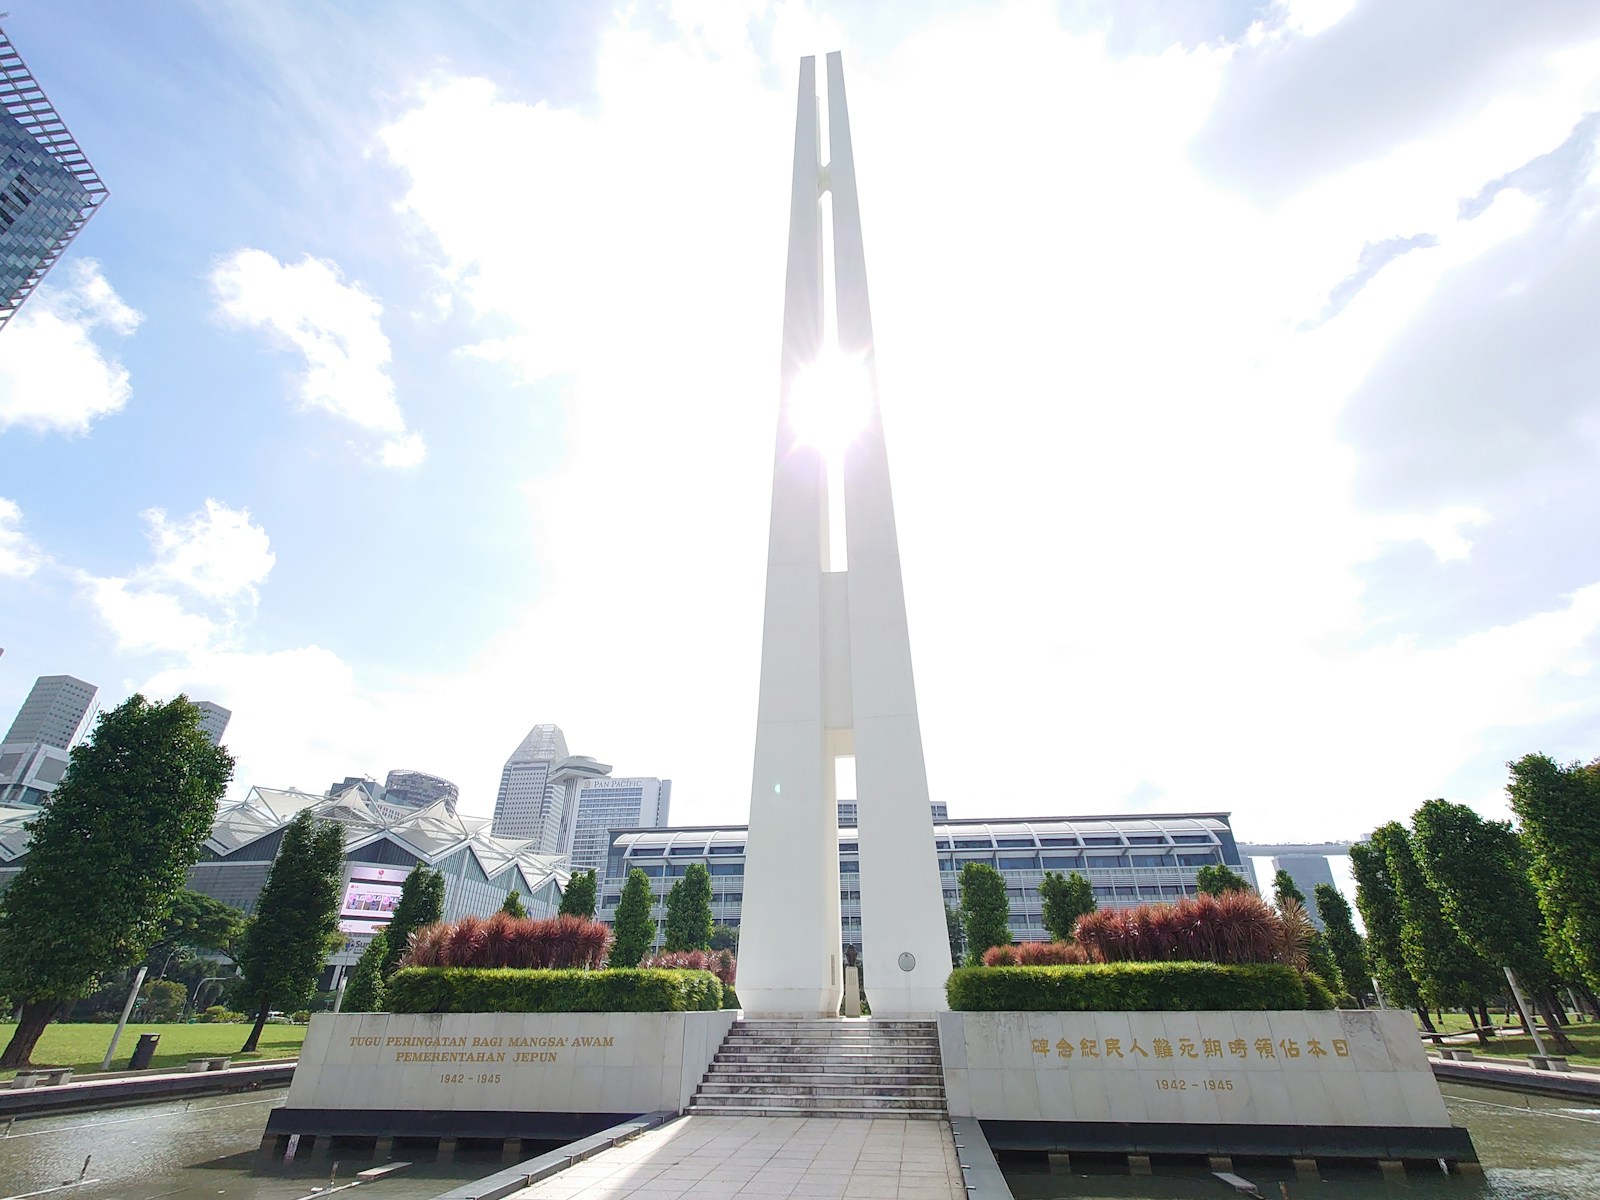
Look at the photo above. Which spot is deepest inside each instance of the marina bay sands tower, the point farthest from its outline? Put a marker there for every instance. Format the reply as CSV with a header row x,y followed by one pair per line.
x,y
836,653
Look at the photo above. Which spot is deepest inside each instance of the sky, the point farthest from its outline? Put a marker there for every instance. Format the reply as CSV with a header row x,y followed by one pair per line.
x,y
417,384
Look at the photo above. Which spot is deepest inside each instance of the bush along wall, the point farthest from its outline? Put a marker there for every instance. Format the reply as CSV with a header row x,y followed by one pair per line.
x,y
1135,987
476,990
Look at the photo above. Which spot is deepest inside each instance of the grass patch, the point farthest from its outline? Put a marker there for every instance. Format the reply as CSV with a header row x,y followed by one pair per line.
x,y
81,1047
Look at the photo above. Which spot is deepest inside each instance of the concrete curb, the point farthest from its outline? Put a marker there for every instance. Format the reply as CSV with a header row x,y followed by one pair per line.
x,y
978,1167
526,1174
1479,1073
162,1085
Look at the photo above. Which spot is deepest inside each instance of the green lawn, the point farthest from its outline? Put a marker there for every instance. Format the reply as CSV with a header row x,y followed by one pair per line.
x,y
83,1046
1585,1036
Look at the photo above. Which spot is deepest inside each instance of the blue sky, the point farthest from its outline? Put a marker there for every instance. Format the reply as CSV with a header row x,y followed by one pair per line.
x,y
417,385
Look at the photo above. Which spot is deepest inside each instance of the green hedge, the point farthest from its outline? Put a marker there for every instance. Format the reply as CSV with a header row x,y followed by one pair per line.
x,y
1133,987
500,989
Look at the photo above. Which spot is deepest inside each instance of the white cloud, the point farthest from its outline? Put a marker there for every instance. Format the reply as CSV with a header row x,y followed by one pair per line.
x,y
215,559
1127,518
220,553
336,326
19,557
55,373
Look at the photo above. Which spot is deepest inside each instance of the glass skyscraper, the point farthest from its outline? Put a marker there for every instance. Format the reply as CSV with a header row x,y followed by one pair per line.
x,y
48,188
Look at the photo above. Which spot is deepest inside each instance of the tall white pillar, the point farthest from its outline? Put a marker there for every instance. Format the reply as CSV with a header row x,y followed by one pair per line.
x,y
835,662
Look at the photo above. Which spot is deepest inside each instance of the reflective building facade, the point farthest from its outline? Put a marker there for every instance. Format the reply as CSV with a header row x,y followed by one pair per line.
x,y
1128,859
48,188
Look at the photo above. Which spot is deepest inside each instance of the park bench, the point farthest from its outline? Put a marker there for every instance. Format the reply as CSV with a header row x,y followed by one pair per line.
x,y
210,1063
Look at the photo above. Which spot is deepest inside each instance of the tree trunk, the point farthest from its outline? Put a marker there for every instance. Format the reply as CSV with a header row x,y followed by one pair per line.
x,y
36,1014
1427,1021
1588,999
1551,999
1485,1022
1558,1036
261,1020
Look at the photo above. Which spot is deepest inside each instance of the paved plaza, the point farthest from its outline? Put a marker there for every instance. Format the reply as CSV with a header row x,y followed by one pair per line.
x,y
819,1158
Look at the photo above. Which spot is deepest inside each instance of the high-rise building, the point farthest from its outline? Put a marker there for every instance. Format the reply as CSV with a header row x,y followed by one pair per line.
x,y
415,789
213,720
48,189
34,755
1307,870
606,805
537,789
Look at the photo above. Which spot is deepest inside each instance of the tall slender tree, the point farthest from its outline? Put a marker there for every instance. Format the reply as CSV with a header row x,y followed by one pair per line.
x,y
1449,973
689,911
635,928
513,906
1559,810
421,904
1066,898
580,896
1380,913
365,992
108,853
1319,959
296,920
985,909
1344,943
1479,869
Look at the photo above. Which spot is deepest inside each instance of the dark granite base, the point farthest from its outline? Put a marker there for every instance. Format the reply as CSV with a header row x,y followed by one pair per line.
x,y
1367,1142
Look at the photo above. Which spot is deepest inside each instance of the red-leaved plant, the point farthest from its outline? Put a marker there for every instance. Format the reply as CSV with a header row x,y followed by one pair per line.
x,y
1235,927
721,963
506,941
1036,954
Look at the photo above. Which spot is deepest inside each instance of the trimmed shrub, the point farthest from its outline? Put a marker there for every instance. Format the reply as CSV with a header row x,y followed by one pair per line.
x,y
475,990
720,963
1036,954
1319,995
1129,987
529,943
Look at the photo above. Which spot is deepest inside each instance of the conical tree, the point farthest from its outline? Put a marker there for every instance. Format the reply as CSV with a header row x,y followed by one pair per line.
x,y
635,930
1344,943
296,918
365,991
1559,810
985,910
421,904
1479,870
1065,900
513,906
580,896
689,911
1380,913
109,851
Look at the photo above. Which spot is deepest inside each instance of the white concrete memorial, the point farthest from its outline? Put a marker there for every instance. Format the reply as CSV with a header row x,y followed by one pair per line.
x,y
836,653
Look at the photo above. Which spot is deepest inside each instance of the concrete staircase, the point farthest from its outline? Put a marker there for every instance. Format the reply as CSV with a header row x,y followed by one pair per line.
x,y
839,1068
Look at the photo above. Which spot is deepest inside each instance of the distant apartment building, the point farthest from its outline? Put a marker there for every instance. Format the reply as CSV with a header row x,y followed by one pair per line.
x,y
604,806
1307,870
48,188
35,753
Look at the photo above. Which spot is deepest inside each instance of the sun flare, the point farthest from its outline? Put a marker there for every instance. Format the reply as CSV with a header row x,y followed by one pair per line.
x,y
830,402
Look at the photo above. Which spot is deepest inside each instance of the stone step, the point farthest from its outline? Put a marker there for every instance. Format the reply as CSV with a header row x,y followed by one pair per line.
x,y
752,1071
824,1106
759,1062
835,1039
836,1089
831,1023
802,1110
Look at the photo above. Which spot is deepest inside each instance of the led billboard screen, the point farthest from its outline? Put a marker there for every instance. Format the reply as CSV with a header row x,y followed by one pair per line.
x,y
369,898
